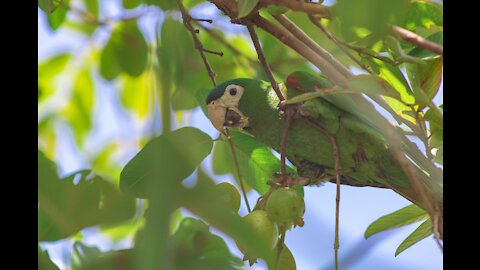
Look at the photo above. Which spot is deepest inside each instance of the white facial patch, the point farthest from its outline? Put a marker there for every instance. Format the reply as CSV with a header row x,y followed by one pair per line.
x,y
217,109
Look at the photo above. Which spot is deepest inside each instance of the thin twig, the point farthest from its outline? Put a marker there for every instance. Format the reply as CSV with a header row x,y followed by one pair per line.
x,y
237,168
411,37
283,141
198,44
264,62
336,157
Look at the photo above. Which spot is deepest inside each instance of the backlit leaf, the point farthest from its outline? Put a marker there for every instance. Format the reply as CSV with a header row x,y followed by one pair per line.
x,y
423,231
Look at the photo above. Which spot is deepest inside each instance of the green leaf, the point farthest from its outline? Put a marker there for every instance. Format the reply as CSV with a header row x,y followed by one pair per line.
x,y
397,219
170,157
109,63
423,13
285,262
79,110
257,162
45,5
245,7
372,16
44,261
372,84
66,207
131,51
57,17
423,231
126,51
138,94
82,254
48,71
129,4
426,77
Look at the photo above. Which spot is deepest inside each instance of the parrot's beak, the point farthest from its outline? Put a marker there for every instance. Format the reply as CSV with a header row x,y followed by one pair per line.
x,y
217,114
221,116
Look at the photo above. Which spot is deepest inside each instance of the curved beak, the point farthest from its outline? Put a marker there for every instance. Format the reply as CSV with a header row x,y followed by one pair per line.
x,y
221,116
216,114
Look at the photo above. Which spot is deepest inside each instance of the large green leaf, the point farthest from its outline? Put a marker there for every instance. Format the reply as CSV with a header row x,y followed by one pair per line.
x,y
44,261
70,204
422,232
399,218
256,161
170,157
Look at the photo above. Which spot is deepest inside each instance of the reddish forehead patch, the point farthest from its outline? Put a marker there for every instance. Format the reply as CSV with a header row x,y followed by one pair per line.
x,y
292,81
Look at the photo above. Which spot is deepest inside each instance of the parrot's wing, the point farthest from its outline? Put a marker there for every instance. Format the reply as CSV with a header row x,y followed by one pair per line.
x,y
301,82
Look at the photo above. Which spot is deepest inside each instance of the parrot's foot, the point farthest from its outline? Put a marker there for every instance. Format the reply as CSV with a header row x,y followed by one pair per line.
x,y
287,180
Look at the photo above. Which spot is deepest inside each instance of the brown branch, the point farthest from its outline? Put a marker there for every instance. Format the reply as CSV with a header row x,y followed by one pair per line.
x,y
291,41
329,35
264,62
303,6
198,44
411,37
300,35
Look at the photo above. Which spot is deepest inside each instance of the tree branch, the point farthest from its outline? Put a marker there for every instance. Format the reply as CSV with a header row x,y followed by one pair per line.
x,y
411,37
198,44
264,62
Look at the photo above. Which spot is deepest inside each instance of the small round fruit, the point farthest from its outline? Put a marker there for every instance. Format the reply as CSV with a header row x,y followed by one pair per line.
x,y
285,205
265,228
229,195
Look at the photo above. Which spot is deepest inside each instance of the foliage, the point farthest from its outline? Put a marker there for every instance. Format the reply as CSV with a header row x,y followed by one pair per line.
x,y
134,188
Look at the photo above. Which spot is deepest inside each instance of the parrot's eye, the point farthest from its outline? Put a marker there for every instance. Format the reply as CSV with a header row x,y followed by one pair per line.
x,y
233,91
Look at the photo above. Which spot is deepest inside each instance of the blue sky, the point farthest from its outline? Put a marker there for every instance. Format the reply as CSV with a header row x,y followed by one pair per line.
x,y
311,245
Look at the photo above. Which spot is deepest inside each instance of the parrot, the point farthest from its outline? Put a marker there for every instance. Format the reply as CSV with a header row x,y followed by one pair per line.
x,y
251,105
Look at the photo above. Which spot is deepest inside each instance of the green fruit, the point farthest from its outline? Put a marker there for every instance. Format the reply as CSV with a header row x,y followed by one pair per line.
x,y
285,206
229,195
265,229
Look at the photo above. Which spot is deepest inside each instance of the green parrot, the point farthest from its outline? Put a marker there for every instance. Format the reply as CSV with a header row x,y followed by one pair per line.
x,y
252,105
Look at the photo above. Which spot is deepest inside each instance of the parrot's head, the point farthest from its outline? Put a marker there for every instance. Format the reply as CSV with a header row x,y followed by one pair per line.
x,y
239,103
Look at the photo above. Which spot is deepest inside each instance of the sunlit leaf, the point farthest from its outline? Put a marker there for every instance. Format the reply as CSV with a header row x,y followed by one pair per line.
x,y
131,3
138,93
423,231
397,219
423,13
92,7
48,71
